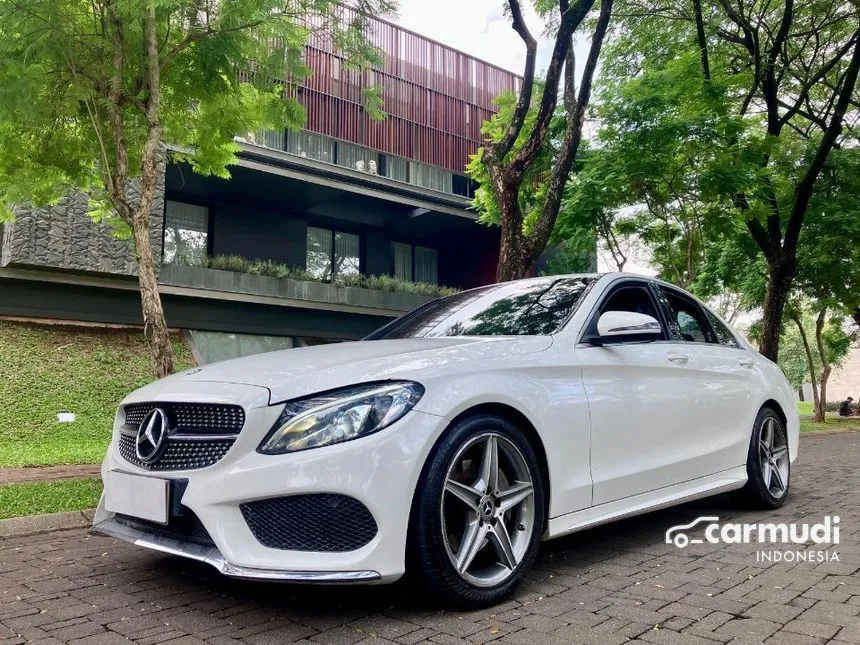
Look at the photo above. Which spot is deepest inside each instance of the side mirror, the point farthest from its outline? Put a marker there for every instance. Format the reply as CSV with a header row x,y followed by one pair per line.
x,y
625,327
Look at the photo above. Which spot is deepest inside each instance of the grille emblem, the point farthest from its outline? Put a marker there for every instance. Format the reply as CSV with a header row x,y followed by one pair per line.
x,y
151,435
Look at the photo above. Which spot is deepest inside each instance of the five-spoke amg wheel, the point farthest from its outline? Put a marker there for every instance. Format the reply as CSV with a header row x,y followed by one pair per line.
x,y
477,522
768,463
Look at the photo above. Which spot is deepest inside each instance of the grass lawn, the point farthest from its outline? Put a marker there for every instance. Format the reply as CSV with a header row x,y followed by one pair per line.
x,y
805,408
17,500
85,371
833,422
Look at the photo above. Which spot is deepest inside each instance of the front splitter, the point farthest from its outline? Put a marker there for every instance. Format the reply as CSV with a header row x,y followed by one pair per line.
x,y
212,556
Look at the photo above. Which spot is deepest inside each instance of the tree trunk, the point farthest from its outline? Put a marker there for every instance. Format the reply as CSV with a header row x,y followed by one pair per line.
x,y
781,272
821,404
154,323
810,363
513,264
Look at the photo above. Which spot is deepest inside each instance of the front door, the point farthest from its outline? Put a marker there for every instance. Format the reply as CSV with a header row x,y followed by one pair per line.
x,y
641,398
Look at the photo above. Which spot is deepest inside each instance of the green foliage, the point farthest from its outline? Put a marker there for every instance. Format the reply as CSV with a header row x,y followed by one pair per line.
x,y
85,371
533,187
18,500
572,256
75,88
836,340
684,163
279,270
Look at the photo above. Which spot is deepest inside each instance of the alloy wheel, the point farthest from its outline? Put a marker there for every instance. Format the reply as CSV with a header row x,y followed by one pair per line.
x,y
488,512
773,457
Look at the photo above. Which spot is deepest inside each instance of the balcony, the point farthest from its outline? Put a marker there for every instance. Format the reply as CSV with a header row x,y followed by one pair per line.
x,y
366,161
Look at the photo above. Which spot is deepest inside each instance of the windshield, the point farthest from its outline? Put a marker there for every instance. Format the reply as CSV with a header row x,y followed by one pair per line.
x,y
525,308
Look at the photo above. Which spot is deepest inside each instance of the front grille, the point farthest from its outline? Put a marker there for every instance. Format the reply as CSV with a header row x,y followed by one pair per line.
x,y
317,522
185,528
200,433
179,454
191,418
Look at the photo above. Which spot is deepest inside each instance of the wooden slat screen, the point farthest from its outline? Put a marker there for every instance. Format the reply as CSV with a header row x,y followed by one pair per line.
x,y
436,97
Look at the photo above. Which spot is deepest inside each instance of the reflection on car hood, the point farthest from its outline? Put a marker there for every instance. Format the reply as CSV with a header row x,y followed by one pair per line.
x,y
292,373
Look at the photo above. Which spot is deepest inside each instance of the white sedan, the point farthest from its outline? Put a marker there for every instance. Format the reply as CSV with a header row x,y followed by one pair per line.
x,y
453,440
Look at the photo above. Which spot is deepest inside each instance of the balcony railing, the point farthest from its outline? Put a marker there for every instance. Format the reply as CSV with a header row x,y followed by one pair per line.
x,y
318,147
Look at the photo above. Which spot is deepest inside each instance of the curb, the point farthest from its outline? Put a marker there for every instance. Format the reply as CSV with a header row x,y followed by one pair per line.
x,y
825,433
33,524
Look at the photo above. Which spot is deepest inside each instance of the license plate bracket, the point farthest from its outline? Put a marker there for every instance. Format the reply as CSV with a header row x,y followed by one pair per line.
x,y
140,496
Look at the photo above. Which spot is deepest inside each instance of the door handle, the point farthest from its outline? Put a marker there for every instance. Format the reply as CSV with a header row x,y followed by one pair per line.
x,y
678,357
746,362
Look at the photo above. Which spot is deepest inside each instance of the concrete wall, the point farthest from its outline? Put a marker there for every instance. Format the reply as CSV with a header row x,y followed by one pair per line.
x,y
63,236
845,381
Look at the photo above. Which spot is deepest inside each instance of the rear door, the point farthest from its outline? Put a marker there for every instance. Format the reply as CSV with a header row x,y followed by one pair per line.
x,y
727,383
641,397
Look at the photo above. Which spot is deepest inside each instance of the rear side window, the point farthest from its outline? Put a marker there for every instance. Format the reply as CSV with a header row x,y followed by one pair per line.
x,y
724,334
688,319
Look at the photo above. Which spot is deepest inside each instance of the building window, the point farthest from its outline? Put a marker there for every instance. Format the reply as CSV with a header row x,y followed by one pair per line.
x,y
417,263
311,146
425,265
186,234
346,254
432,177
402,260
332,253
394,168
355,157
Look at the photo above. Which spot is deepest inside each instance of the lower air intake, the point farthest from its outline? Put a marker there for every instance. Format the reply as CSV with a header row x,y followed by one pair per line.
x,y
318,522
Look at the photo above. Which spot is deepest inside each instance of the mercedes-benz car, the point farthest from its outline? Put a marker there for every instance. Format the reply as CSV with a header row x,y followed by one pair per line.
x,y
453,440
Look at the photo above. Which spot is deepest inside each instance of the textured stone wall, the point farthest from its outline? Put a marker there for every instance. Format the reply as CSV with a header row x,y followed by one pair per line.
x,y
63,236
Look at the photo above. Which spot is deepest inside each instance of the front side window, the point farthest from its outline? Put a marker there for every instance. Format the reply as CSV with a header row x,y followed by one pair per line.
x,y
332,253
689,319
535,307
632,298
186,234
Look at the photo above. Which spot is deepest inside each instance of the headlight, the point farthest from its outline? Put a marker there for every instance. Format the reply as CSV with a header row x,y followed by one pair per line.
x,y
340,415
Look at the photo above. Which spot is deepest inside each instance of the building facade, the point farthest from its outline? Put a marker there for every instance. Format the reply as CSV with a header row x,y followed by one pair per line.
x,y
346,196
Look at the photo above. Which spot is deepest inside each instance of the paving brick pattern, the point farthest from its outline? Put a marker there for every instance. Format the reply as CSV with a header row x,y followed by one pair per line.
x,y
609,585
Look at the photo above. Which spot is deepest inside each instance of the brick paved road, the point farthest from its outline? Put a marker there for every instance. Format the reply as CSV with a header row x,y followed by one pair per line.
x,y
608,585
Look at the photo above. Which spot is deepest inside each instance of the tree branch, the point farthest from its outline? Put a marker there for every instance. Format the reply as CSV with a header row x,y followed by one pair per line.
x,y
503,147
573,134
570,20
803,193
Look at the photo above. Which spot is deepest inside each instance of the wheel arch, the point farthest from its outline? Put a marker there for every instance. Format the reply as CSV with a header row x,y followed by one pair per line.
x,y
518,418
774,405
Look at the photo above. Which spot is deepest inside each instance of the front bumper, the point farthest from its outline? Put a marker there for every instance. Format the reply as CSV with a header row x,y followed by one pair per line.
x,y
381,471
212,556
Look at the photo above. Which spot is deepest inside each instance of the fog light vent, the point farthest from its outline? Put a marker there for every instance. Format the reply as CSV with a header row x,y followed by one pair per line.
x,y
317,522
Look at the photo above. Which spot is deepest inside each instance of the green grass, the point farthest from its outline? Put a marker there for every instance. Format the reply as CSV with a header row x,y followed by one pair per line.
x,y
17,500
832,423
82,370
805,408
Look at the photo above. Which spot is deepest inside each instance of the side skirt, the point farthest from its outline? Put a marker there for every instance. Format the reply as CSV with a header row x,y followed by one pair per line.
x,y
721,482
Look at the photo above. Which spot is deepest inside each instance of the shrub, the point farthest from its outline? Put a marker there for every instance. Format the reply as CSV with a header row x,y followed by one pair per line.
x,y
274,269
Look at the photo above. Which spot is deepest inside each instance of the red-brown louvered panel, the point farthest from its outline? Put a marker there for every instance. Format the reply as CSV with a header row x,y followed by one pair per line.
x,y
436,97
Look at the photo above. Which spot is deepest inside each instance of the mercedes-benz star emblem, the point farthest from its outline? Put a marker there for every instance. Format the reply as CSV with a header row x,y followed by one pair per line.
x,y
151,435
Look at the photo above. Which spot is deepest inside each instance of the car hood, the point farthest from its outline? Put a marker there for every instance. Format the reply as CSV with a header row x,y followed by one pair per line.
x,y
293,373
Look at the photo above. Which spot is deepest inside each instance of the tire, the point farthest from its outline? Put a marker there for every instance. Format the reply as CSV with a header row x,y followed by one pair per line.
x,y
452,485
764,489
